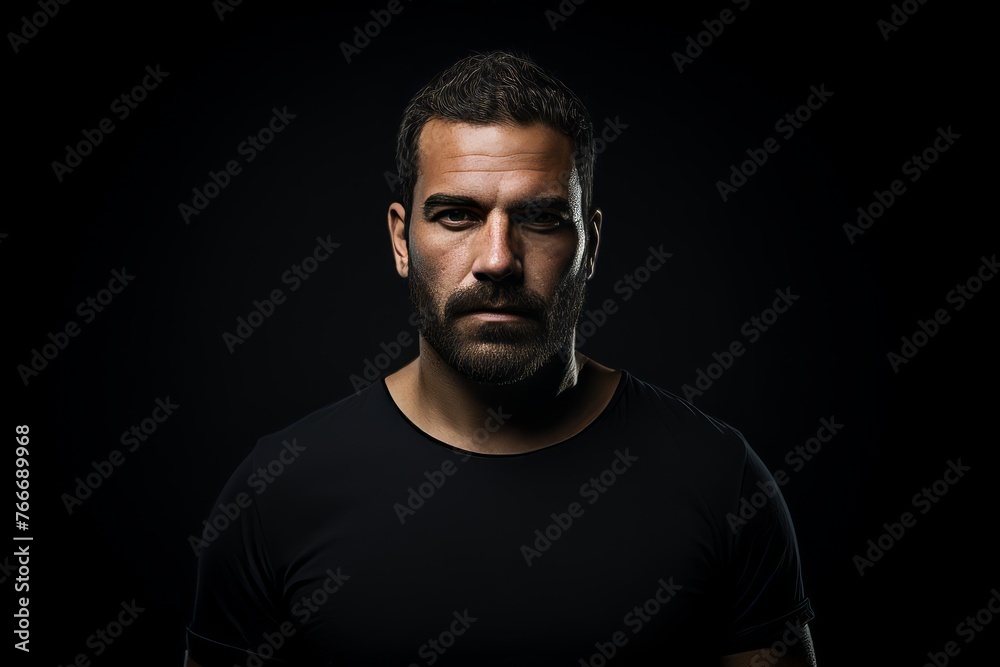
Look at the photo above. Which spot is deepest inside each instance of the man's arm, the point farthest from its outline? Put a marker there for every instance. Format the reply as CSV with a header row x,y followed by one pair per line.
x,y
766,599
236,598
797,654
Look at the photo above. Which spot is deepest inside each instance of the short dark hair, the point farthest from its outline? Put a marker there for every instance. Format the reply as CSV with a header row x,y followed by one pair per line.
x,y
498,87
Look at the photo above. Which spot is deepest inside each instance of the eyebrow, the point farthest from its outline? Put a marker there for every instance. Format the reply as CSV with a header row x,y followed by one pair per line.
x,y
440,199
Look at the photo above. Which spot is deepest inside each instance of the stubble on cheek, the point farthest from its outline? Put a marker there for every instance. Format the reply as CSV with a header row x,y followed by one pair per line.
x,y
497,352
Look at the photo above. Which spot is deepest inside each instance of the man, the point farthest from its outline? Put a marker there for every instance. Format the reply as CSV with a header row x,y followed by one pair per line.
x,y
501,499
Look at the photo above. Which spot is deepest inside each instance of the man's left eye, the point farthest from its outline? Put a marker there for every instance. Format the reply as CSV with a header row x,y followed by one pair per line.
x,y
540,218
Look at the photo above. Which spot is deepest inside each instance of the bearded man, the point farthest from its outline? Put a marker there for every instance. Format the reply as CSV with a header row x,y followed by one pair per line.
x,y
502,499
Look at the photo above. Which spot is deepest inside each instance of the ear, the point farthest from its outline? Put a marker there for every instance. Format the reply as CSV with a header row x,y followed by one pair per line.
x,y
593,240
397,236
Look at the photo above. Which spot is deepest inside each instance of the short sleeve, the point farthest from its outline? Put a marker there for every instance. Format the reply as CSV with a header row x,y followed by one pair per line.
x,y
237,608
767,598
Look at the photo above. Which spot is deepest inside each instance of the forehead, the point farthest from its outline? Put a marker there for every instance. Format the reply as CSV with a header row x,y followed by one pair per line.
x,y
465,159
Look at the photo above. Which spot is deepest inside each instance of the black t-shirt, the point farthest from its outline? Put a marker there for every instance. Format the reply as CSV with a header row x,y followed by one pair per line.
x,y
352,537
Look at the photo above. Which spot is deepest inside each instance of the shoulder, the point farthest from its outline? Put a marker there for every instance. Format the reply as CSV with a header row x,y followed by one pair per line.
x,y
694,449
319,448
677,414
337,422
307,467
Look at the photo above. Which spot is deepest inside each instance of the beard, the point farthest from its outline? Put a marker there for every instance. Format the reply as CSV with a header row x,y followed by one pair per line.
x,y
498,352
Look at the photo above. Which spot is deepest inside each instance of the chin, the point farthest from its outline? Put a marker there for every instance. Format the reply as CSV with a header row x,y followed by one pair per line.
x,y
499,364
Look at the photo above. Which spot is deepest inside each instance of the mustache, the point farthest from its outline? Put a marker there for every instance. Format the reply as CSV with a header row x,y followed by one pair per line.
x,y
483,296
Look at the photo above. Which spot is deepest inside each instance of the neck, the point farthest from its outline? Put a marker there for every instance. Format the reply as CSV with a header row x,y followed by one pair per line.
x,y
459,408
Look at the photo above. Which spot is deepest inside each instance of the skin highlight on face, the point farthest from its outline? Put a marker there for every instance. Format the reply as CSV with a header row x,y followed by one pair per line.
x,y
497,266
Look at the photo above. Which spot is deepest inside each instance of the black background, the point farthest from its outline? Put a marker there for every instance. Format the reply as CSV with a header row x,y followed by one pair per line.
x,y
656,183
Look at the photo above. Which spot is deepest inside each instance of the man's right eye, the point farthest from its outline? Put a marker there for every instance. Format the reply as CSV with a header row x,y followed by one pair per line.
x,y
454,216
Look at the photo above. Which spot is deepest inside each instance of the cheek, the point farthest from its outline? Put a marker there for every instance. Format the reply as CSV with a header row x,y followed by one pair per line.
x,y
447,268
439,267
552,267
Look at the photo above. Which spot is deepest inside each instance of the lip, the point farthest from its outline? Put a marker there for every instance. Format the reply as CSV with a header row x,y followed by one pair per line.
x,y
497,315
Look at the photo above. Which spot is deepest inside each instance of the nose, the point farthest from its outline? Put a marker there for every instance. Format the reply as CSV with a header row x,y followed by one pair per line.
x,y
498,251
